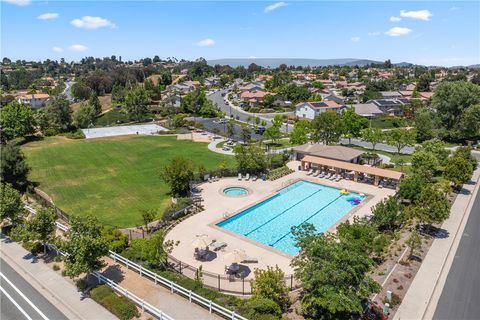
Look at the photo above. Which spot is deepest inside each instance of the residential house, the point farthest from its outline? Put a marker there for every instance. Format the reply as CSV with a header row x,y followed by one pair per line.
x,y
368,110
255,97
310,110
35,100
390,94
390,106
212,81
186,86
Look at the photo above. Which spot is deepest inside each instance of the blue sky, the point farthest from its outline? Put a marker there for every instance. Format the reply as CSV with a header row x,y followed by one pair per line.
x,y
432,33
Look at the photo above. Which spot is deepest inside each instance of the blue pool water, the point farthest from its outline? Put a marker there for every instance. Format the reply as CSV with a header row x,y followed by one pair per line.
x,y
269,222
235,191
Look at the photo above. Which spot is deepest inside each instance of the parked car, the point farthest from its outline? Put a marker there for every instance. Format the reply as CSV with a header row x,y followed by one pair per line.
x,y
259,130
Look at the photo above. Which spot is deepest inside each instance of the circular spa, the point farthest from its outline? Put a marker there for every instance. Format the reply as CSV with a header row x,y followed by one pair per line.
x,y
235,191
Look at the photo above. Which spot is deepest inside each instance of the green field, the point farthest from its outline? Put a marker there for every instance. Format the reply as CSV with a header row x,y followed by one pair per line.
x,y
111,178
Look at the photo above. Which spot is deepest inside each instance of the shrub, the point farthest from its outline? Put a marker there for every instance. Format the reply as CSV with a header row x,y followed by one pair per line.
x,y
49,132
262,306
169,213
123,308
278,173
78,134
56,267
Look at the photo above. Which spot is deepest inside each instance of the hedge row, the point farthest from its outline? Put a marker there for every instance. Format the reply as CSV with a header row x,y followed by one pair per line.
x,y
121,307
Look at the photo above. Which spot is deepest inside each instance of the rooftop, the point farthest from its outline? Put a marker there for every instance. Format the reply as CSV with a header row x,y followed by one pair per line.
x,y
340,153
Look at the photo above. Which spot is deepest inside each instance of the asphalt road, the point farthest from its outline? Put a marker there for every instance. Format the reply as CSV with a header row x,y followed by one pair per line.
x,y
32,305
378,146
460,297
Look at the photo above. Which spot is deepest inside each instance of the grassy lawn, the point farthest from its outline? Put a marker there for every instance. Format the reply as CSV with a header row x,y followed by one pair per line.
x,y
112,178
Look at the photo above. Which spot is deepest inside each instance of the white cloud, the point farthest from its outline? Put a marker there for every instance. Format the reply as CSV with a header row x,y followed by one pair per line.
x,y
48,16
78,47
89,22
205,42
372,34
419,15
398,31
57,49
252,57
355,39
395,19
275,6
18,2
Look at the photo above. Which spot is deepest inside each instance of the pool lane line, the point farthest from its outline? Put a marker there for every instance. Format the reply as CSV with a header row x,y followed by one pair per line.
x,y
313,215
281,213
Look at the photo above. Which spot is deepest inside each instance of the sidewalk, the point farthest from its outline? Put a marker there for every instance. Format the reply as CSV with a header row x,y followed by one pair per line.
x,y
422,297
61,293
157,295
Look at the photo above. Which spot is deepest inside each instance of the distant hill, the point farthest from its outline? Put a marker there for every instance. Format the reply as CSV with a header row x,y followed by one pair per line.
x,y
275,62
473,66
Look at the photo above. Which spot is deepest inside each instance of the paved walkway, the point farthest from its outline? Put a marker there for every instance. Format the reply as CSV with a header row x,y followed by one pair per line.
x,y
157,295
57,290
422,297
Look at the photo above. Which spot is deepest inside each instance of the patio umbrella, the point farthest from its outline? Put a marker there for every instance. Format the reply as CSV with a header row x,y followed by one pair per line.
x,y
236,256
201,241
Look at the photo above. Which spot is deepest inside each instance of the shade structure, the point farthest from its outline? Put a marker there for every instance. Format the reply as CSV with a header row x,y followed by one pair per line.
x,y
201,241
236,256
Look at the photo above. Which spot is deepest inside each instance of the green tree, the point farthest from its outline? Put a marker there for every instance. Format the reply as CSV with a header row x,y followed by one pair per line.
x,y
432,206
85,246
136,102
95,103
299,134
16,120
11,205
466,153
414,242
85,116
387,214
401,138
353,124
327,127
56,115
250,158
451,99
333,273
424,164
148,216
273,132
193,101
270,284
178,175
13,167
468,126
437,148
268,100
411,186
372,135
427,124
246,134
230,129
458,170
42,227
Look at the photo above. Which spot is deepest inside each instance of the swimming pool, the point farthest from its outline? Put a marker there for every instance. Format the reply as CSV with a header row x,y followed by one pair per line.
x,y
270,221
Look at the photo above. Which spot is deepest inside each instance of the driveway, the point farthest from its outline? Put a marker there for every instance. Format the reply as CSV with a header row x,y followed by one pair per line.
x,y
147,129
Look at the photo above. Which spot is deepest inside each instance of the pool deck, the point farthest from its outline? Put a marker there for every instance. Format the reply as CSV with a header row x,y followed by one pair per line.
x,y
219,207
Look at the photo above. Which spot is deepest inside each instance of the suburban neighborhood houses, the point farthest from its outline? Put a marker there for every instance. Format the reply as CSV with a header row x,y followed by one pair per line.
x,y
144,177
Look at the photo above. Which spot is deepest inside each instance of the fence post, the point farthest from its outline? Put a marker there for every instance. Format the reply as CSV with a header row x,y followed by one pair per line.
x,y
233,315
141,270
155,278
210,306
171,286
218,282
190,296
180,266
126,263
126,293
143,305
98,277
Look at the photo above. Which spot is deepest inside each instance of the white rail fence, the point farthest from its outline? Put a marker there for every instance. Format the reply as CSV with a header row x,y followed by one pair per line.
x,y
145,306
174,288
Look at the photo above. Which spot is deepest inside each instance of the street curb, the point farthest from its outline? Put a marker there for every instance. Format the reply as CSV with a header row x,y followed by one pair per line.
x,y
447,263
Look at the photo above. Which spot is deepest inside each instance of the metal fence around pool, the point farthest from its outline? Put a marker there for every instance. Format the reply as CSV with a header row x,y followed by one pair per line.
x,y
223,283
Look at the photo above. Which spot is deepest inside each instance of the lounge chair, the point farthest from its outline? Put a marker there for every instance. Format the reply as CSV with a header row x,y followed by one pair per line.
x,y
310,172
239,176
316,173
332,177
322,174
217,245
250,260
327,176
209,180
338,178
247,177
254,178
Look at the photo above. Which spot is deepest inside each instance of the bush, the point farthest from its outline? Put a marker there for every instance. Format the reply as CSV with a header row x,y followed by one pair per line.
x,y
259,307
56,267
123,308
278,173
78,134
168,214
49,132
